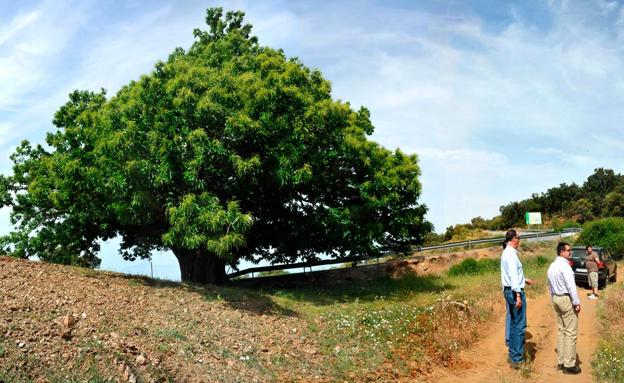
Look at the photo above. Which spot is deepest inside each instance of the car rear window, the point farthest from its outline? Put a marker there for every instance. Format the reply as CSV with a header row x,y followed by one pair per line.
x,y
579,254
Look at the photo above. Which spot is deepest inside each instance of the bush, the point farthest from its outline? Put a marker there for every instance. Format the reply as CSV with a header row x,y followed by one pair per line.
x,y
433,238
541,261
567,224
606,232
471,266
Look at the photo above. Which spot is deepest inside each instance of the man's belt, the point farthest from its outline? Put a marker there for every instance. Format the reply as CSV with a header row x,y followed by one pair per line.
x,y
509,288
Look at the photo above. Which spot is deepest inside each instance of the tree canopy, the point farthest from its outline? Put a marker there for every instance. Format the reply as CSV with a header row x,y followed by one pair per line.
x,y
226,151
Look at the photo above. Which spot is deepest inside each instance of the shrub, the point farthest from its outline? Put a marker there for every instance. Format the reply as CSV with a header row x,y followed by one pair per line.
x,y
541,261
471,266
606,232
433,238
559,225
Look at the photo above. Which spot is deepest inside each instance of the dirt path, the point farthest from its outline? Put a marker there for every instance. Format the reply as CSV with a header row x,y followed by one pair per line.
x,y
487,361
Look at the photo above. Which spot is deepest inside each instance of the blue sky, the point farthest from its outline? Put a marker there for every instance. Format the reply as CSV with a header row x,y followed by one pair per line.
x,y
499,99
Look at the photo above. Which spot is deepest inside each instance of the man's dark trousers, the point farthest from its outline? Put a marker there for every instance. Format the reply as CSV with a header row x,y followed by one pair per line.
x,y
517,325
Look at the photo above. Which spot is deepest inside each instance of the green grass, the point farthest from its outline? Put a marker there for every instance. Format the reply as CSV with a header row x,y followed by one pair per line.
x,y
169,334
608,360
472,266
361,324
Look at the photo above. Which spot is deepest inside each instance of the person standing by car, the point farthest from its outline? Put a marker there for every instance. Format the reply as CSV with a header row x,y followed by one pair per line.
x,y
567,306
513,281
591,262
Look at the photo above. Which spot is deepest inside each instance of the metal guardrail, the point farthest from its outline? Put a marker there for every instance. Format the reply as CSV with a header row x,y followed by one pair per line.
x,y
323,262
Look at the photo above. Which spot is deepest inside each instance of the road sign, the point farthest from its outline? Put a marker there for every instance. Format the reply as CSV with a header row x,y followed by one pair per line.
x,y
533,218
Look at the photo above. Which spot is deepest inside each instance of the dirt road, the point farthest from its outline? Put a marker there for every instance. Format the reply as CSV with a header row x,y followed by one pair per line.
x,y
487,361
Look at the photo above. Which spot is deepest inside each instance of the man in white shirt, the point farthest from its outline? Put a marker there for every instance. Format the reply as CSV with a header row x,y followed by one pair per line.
x,y
566,303
513,281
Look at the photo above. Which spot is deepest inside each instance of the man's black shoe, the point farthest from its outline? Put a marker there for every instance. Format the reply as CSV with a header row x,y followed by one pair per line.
x,y
560,367
571,370
515,365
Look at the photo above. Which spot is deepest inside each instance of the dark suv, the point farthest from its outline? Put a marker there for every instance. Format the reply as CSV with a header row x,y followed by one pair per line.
x,y
607,273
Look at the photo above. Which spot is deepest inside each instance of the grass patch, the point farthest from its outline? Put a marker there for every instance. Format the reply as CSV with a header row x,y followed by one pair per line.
x,y
347,292
471,266
393,326
608,361
169,334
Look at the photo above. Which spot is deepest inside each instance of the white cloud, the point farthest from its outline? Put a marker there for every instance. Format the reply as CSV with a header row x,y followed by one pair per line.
x,y
16,25
30,49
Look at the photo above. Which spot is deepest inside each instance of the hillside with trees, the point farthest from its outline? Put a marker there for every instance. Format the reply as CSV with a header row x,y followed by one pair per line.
x,y
600,196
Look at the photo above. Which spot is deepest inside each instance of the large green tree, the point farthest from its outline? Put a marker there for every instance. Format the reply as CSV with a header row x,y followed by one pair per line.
x,y
224,152
598,185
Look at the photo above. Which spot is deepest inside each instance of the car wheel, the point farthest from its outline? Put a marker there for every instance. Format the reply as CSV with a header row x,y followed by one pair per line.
x,y
605,283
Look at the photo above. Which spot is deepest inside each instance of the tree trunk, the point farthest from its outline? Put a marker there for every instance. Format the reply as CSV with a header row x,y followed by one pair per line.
x,y
201,267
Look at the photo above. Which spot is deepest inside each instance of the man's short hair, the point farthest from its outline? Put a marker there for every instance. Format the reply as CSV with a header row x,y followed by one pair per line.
x,y
588,246
561,247
511,234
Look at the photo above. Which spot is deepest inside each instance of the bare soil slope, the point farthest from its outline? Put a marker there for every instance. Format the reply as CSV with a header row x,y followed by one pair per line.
x,y
75,321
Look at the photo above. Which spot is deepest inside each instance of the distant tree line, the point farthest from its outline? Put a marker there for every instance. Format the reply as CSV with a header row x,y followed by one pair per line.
x,y
600,196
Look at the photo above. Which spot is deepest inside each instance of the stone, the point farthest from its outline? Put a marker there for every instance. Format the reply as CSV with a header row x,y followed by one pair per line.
x,y
126,374
68,321
141,360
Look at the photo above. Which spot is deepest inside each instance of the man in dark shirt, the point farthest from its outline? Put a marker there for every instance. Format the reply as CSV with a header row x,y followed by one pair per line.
x,y
591,262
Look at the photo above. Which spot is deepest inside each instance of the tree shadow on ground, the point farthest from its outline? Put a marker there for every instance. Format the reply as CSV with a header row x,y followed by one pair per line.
x,y
324,291
244,299
252,301
257,296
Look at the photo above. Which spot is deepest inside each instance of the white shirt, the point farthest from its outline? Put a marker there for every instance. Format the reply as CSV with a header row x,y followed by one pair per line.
x,y
561,279
511,269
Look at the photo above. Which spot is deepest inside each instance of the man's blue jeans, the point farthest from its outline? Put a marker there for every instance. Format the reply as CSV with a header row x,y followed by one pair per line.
x,y
507,324
517,325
